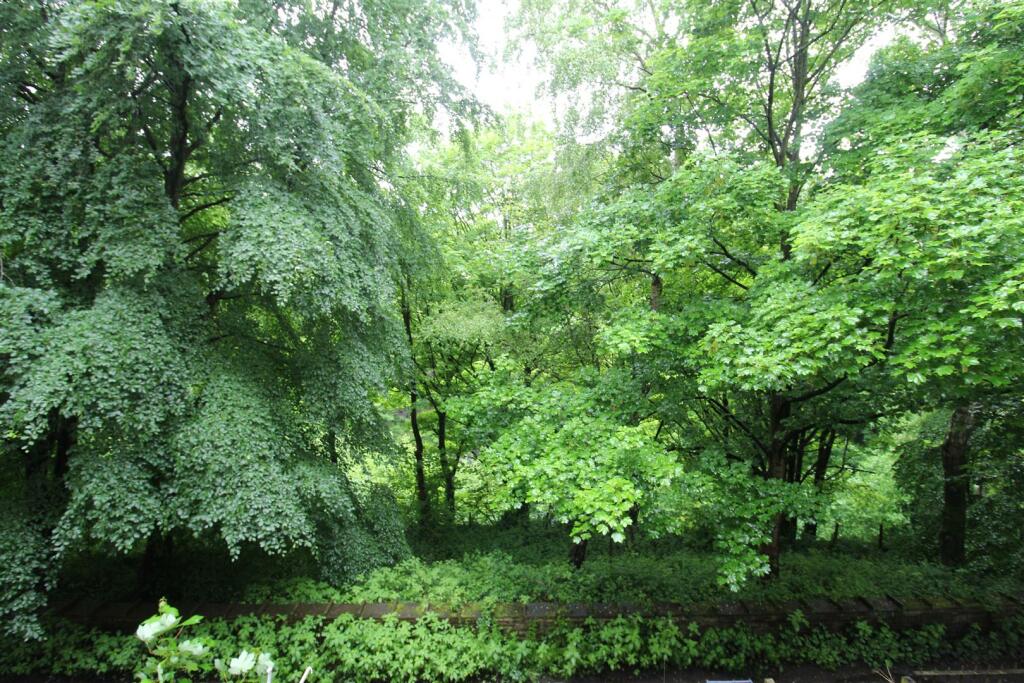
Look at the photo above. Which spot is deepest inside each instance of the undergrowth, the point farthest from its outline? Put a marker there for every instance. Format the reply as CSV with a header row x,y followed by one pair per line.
x,y
683,577
432,649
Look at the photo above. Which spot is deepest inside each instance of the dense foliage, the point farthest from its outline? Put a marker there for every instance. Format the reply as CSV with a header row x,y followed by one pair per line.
x,y
683,578
199,252
432,649
286,313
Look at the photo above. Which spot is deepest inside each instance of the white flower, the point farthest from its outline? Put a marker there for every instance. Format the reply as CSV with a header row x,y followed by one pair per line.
x,y
155,626
192,647
264,664
242,664
147,632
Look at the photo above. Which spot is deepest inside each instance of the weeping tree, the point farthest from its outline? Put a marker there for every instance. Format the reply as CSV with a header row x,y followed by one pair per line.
x,y
196,287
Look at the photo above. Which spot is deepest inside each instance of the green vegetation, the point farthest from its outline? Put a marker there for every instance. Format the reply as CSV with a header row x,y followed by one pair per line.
x,y
685,577
432,649
288,313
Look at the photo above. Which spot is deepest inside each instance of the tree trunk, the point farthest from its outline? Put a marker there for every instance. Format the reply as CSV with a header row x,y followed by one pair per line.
x,y
577,554
446,467
65,442
634,524
780,408
774,548
156,578
787,531
656,286
179,147
507,299
505,293
45,469
422,495
523,515
825,443
331,442
145,580
794,465
953,528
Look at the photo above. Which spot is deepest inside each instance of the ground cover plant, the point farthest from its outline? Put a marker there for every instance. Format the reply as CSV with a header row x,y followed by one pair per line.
x,y
685,578
432,649
725,303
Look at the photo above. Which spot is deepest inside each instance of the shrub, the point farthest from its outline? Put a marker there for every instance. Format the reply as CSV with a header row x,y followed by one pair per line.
x,y
432,649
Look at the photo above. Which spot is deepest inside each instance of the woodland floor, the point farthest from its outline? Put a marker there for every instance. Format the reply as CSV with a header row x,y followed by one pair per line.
x,y
796,674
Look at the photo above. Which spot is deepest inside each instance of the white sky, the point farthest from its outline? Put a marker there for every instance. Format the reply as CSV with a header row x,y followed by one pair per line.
x,y
506,83
511,82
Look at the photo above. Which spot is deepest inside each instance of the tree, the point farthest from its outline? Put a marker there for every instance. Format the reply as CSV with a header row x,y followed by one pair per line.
x,y
198,258
753,334
923,108
571,450
480,203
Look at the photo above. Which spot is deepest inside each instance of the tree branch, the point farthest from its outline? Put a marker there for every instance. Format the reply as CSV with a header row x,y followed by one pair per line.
x,y
202,245
203,207
732,418
819,391
725,252
726,276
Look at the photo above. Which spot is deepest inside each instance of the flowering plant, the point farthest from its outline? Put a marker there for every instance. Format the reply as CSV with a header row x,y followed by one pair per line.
x,y
171,659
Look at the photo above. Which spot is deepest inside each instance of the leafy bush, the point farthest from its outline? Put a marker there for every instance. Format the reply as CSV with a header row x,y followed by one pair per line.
x,y
432,649
168,655
684,577
23,556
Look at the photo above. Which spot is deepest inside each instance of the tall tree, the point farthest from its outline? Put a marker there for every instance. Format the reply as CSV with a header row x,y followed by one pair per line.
x,y
762,340
198,244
